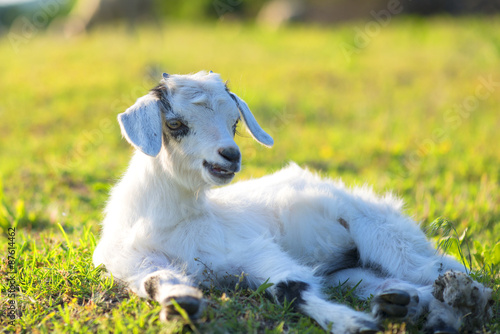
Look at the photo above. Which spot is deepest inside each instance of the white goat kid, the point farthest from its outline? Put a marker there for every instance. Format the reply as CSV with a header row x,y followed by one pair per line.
x,y
163,224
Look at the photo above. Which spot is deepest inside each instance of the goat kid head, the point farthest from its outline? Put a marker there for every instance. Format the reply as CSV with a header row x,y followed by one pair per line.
x,y
189,123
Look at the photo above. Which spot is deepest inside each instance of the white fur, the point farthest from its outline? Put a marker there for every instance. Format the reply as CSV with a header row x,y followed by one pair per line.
x,y
164,221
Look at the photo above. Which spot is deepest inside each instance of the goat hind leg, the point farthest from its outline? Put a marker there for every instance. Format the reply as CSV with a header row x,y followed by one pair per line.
x,y
392,298
308,300
460,303
293,281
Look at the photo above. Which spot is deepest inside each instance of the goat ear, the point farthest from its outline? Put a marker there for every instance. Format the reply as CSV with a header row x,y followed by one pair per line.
x,y
141,125
253,127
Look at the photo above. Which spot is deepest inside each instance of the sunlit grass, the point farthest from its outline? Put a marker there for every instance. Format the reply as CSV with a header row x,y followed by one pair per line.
x,y
386,116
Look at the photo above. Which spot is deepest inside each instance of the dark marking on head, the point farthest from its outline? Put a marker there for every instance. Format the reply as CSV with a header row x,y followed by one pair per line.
x,y
176,135
235,126
161,93
151,286
291,291
179,133
346,259
343,223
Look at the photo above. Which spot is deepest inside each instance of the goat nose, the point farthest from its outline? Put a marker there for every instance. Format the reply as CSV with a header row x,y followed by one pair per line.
x,y
230,153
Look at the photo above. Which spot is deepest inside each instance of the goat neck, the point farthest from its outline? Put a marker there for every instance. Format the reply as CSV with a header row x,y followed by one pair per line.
x,y
159,193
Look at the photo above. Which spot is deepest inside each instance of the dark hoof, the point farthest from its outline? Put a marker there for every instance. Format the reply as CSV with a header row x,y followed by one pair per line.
x,y
393,311
189,304
398,297
392,304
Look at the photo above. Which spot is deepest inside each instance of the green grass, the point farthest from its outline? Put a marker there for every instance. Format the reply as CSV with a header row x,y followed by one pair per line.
x,y
387,117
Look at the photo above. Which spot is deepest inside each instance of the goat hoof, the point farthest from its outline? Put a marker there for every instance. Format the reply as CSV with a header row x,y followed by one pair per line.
x,y
393,311
189,304
391,304
397,297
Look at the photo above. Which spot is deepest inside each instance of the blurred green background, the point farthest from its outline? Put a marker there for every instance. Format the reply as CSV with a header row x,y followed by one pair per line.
x,y
402,96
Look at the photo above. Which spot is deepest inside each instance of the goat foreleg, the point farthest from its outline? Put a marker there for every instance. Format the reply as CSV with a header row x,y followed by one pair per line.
x,y
164,282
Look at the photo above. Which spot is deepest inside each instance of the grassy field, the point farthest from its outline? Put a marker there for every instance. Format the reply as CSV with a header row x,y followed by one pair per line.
x,y
412,108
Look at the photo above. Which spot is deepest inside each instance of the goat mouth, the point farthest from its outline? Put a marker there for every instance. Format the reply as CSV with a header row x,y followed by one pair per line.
x,y
219,171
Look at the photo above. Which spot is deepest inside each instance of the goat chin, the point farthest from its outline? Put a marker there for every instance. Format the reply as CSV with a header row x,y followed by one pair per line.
x,y
167,230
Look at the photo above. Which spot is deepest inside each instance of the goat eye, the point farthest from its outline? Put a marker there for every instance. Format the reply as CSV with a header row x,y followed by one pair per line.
x,y
234,127
174,124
